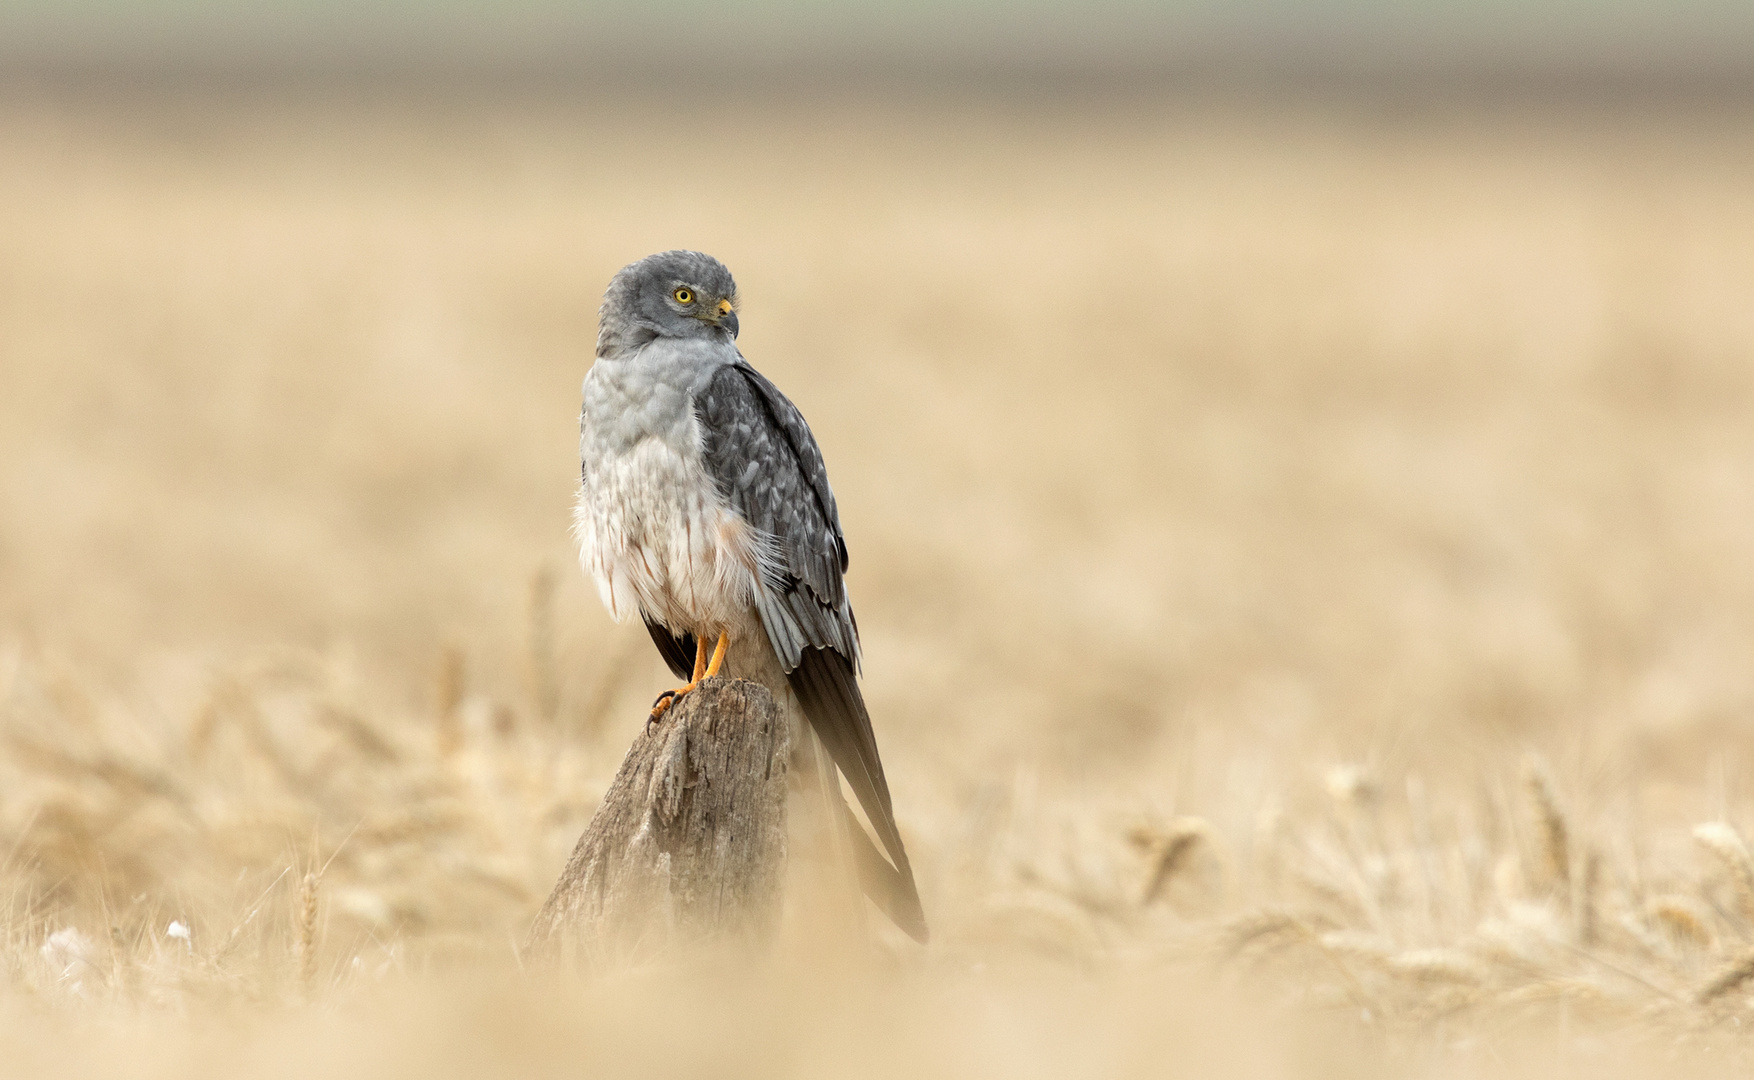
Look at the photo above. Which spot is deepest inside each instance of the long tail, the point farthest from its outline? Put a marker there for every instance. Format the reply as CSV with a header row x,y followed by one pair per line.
x,y
828,690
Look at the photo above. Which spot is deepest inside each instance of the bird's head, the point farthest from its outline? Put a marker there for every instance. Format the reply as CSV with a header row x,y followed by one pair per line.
x,y
673,294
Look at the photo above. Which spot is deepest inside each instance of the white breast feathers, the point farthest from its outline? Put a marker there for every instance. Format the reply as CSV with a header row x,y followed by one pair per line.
x,y
657,537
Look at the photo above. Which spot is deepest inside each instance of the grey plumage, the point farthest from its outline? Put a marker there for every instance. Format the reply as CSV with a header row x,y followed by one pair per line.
x,y
766,464
705,505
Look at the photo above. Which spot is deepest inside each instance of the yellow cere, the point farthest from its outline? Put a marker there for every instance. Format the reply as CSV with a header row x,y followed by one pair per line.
x,y
724,307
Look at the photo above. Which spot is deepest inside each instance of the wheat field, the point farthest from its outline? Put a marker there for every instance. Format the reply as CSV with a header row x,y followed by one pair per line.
x,y
1302,556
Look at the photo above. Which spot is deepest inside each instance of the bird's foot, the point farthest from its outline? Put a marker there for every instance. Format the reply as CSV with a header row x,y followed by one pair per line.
x,y
703,669
667,699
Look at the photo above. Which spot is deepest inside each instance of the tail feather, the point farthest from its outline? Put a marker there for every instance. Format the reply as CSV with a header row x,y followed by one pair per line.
x,y
828,690
678,652
890,889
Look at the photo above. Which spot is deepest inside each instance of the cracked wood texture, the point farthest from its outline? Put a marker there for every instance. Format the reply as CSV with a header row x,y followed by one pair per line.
x,y
689,844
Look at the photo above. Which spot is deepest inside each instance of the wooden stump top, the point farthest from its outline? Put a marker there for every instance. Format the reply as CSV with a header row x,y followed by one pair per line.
x,y
689,843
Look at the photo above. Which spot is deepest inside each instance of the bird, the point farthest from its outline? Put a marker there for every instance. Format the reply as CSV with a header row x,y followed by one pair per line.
x,y
704,507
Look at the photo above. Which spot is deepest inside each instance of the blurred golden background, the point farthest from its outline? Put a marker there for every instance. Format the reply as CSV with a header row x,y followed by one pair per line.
x,y
1300,529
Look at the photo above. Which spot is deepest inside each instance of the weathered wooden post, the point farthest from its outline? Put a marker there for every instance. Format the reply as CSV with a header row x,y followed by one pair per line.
x,y
690,842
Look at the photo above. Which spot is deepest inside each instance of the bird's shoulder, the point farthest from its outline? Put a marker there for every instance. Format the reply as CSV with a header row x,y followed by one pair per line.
x,y
761,451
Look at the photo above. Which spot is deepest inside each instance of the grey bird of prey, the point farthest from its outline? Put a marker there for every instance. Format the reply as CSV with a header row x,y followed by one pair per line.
x,y
704,506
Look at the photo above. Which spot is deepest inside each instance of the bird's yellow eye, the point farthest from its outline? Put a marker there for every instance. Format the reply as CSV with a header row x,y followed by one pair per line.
x,y
684,296
724,307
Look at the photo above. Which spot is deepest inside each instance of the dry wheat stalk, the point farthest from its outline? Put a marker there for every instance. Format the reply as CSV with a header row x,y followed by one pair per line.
x,y
307,929
1173,849
1722,840
1438,965
1267,929
1680,918
1583,901
1556,988
1729,979
1554,833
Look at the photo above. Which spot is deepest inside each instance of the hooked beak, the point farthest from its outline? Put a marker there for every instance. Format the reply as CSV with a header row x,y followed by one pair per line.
x,y
729,321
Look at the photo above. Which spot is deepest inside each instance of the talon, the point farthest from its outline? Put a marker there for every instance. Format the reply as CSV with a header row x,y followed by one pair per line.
x,y
665,700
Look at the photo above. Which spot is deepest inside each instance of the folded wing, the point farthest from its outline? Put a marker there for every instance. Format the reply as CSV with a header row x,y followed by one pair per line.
x,y
767,466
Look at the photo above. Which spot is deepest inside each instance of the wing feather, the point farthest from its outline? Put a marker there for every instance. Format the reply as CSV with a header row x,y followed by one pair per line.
x,y
767,466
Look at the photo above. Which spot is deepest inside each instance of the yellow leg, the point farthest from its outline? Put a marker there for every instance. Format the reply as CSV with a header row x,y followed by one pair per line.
x,y
703,669
699,661
718,660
